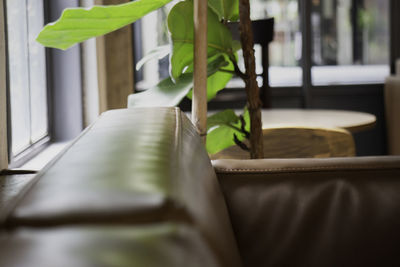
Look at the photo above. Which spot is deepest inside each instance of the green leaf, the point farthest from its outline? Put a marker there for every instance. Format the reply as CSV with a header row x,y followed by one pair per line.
x,y
221,128
78,24
165,94
216,83
158,52
219,139
217,79
246,117
226,117
226,9
180,24
214,63
236,45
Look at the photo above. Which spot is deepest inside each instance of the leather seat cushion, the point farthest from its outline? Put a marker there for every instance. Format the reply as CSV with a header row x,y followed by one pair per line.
x,y
314,212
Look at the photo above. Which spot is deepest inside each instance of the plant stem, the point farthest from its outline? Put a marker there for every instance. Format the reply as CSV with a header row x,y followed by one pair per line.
x,y
237,70
199,100
227,71
252,89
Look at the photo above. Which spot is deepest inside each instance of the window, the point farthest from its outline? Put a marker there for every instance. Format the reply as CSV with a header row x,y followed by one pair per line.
x,y
349,40
44,86
285,49
348,44
26,75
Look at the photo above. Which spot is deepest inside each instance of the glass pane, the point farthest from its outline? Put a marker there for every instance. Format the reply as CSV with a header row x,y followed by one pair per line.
x,y
18,74
37,67
285,49
154,33
350,41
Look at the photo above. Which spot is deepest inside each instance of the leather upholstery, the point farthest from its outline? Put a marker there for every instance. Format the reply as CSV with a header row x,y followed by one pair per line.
x,y
137,188
133,166
99,178
314,212
159,245
11,187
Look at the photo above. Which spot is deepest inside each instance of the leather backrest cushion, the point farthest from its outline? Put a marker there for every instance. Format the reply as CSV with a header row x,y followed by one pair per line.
x,y
118,169
315,212
133,166
155,245
199,189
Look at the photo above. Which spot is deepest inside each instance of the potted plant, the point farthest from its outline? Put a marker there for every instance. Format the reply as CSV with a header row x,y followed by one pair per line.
x,y
77,25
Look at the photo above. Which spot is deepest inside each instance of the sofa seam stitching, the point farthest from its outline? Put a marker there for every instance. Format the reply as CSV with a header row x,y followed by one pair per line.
x,y
352,167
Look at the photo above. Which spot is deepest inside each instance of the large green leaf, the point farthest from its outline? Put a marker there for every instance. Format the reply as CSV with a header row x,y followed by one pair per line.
x,y
220,131
215,83
170,93
226,9
219,139
214,63
180,24
246,117
225,117
217,79
165,94
221,128
79,24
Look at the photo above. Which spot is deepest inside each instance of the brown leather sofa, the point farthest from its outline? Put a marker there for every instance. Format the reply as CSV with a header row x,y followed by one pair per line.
x,y
138,189
314,212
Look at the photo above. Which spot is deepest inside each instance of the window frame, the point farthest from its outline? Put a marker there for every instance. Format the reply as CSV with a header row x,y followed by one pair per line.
x,y
68,107
3,93
38,146
64,95
308,89
115,59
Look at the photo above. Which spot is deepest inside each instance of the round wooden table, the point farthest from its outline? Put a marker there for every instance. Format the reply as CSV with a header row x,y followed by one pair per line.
x,y
352,121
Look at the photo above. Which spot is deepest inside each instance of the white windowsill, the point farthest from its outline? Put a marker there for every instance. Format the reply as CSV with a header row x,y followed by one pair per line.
x,y
39,161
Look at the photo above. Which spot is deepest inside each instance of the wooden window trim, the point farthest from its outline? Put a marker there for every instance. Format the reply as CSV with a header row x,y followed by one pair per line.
x,y
115,65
